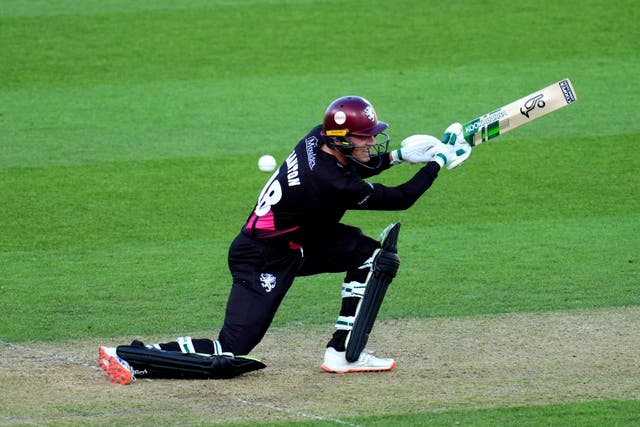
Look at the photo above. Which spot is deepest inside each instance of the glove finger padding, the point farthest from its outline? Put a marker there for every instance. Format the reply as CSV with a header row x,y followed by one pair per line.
x,y
454,136
461,156
420,140
415,149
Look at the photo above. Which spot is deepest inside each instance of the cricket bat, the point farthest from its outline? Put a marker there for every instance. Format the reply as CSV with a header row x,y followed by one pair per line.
x,y
520,112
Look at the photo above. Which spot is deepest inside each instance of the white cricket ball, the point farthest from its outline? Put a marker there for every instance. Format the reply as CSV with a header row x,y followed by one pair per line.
x,y
267,163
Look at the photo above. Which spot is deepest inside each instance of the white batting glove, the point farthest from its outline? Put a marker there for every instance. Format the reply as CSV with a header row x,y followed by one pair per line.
x,y
445,154
454,136
416,149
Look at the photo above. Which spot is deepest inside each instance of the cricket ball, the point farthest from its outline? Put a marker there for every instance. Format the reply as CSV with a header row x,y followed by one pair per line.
x,y
267,163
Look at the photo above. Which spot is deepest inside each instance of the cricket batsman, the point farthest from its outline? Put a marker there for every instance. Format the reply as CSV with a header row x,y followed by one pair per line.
x,y
294,230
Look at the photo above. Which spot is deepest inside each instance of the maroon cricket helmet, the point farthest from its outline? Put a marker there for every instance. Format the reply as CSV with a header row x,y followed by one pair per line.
x,y
352,115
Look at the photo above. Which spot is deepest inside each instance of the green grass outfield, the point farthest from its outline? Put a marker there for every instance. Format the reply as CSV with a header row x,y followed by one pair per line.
x,y
130,133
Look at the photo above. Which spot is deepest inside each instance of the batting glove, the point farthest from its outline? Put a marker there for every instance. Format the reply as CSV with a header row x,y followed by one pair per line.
x,y
416,149
454,137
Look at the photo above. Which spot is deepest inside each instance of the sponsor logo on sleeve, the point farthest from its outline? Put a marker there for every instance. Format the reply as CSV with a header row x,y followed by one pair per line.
x,y
311,144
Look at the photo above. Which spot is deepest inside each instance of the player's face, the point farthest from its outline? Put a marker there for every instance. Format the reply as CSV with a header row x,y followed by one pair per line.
x,y
362,152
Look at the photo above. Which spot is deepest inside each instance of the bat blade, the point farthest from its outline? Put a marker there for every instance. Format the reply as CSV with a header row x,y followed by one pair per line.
x,y
520,112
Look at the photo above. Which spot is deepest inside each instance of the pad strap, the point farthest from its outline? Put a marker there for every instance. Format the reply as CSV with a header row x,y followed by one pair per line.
x,y
345,323
186,345
217,348
353,289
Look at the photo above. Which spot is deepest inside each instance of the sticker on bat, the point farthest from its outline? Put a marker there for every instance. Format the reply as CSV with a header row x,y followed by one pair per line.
x,y
532,103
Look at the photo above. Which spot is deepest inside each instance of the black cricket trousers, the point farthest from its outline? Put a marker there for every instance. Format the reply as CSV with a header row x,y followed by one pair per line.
x,y
263,272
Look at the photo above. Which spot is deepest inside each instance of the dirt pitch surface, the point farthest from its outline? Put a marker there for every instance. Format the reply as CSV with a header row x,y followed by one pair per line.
x,y
460,363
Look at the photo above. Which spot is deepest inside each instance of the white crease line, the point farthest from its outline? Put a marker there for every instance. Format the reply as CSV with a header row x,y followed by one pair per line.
x,y
297,413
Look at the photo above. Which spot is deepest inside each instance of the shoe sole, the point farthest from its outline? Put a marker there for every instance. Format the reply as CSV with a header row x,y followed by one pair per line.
x,y
359,370
103,358
118,373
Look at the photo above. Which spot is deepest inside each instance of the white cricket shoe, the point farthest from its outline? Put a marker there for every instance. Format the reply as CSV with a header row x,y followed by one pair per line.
x,y
119,370
336,362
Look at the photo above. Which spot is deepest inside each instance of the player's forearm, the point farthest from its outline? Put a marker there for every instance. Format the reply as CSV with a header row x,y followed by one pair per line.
x,y
405,195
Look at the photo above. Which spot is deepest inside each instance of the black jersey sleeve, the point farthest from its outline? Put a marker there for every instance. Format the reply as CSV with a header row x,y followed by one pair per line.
x,y
402,196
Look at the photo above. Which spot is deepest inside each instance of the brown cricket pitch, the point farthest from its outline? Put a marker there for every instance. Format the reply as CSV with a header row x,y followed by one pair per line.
x,y
443,363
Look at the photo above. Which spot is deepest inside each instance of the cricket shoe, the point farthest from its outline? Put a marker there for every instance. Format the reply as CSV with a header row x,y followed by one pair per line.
x,y
336,362
103,357
119,370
